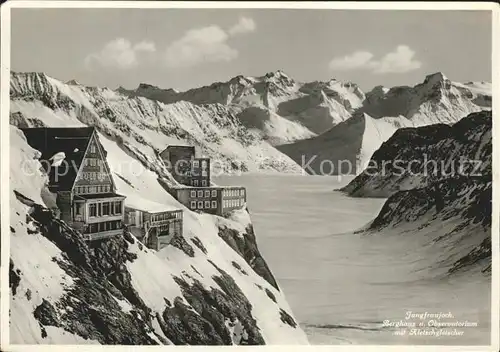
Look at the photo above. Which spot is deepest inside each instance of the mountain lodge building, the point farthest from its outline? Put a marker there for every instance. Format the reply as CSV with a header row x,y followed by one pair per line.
x,y
81,179
199,195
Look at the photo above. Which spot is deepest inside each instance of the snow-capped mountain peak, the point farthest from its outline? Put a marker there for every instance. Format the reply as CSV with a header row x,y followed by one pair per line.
x,y
73,82
435,77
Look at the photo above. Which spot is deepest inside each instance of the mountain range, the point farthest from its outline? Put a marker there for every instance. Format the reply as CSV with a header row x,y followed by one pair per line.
x,y
266,123
212,285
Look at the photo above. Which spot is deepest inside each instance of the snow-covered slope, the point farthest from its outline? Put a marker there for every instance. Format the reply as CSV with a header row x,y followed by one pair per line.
x,y
346,148
209,286
453,239
314,106
438,180
148,126
436,100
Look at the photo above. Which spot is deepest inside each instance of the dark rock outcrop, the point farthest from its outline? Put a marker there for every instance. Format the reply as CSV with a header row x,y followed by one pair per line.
x,y
246,245
417,157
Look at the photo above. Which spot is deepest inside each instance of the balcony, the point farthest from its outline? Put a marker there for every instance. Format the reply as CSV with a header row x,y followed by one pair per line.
x,y
102,235
102,218
163,222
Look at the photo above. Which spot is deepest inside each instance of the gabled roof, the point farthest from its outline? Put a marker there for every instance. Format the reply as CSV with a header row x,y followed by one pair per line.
x,y
72,141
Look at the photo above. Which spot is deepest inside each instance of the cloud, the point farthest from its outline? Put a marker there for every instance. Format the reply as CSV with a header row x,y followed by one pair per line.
x,y
244,25
357,60
398,61
207,44
120,53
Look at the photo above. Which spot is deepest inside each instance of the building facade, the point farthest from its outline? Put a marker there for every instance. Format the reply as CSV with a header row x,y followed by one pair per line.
x,y
82,182
213,200
200,195
154,228
200,172
206,199
178,161
233,198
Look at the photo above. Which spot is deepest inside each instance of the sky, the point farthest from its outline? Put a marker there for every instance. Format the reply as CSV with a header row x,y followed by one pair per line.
x,y
188,48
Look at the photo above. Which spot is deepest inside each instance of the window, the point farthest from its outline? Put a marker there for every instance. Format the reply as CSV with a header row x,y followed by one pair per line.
x,y
207,204
78,209
204,173
214,193
200,205
195,183
102,226
92,210
243,192
200,194
118,208
193,204
204,183
196,163
105,208
214,204
92,149
92,228
193,194
204,164
207,194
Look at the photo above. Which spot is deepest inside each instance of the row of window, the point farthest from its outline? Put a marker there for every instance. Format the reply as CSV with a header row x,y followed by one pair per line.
x,y
197,183
166,216
203,205
205,194
233,192
92,189
105,209
196,164
93,176
104,226
93,162
195,173
231,203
